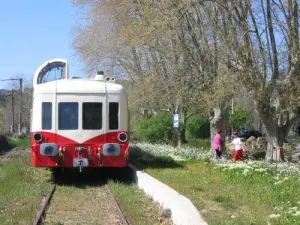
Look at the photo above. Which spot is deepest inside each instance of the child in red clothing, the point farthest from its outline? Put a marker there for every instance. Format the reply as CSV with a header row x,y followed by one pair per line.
x,y
238,145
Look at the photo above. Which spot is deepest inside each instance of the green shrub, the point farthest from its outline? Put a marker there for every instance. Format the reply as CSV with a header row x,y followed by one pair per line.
x,y
19,142
199,143
240,119
197,128
155,129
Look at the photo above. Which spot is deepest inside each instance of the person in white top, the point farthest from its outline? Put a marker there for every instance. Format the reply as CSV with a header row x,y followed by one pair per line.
x,y
238,146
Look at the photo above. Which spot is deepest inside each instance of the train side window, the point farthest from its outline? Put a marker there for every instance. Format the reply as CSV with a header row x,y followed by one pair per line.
x,y
113,115
91,116
68,116
46,115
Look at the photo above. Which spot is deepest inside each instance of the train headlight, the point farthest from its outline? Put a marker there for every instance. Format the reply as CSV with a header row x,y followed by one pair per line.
x,y
48,149
38,137
111,149
123,137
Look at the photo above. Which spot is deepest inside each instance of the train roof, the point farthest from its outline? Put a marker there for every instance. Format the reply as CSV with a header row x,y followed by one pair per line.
x,y
78,86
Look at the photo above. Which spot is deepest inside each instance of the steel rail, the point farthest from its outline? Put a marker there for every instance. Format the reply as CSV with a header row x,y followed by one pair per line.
x,y
45,203
115,203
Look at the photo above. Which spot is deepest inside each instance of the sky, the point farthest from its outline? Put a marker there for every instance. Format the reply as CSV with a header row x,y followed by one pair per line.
x,y
34,31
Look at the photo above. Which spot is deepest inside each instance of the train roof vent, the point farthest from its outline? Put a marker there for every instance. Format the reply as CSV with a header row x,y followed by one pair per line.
x,y
99,76
110,79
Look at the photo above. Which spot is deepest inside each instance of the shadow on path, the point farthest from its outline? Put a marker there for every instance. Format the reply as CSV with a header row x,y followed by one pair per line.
x,y
144,160
92,176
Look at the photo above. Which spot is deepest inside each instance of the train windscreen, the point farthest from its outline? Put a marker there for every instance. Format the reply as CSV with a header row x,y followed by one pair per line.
x,y
68,116
91,116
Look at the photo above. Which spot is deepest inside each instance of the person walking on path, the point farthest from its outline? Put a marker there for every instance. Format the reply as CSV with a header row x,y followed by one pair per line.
x,y
238,146
218,144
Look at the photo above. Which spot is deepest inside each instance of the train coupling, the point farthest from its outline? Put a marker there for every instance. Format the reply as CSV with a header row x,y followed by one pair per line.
x,y
61,152
80,165
90,158
79,149
61,156
100,156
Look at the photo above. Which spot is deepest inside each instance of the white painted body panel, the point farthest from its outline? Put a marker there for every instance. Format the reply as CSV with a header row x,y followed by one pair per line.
x,y
80,91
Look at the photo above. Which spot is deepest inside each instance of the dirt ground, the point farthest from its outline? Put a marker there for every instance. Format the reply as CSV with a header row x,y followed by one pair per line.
x,y
82,205
6,155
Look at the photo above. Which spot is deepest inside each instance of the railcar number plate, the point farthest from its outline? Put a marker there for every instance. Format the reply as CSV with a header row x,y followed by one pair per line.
x,y
84,162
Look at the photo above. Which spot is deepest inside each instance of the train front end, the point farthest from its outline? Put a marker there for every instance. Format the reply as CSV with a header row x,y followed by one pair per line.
x,y
77,123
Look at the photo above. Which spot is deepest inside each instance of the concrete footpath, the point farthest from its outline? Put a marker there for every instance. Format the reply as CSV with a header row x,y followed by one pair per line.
x,y
182,209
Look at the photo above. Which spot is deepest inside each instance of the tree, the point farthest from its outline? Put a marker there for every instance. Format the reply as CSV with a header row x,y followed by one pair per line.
x,y
169,57
266,67
178,54
240,119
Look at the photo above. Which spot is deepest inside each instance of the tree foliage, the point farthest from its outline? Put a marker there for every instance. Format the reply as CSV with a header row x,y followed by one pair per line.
x,y
153,129
240,119
197,127
178,53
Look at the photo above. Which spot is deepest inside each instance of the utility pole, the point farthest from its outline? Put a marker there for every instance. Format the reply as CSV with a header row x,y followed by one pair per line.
x,y
12,129
13,111
20,109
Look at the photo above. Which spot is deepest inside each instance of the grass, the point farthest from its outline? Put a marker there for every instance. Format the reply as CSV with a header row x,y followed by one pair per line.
x,y
20,143
199,143
253,193
137,207
81,204
143,159
21,190
235,196
75,203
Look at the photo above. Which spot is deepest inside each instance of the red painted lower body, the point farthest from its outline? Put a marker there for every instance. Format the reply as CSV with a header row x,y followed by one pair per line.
x,y
65,159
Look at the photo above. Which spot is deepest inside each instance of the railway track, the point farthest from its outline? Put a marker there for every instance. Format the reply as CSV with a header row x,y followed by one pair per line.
x,y
80,205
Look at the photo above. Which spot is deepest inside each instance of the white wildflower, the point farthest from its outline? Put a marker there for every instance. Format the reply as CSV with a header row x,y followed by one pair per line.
x,y
274,216
260,170
246,172
297,213
276,178
278,182
232,217
278,208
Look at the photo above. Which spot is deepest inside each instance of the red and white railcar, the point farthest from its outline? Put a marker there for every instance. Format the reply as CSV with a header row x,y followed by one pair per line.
x,y
77,122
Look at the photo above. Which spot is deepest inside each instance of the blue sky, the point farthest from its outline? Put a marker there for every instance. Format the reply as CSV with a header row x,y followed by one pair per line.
x,y
34,31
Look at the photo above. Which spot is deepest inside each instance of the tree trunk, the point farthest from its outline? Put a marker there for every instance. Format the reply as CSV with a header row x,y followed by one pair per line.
x,y
217,121
182,129
275,140
276,132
